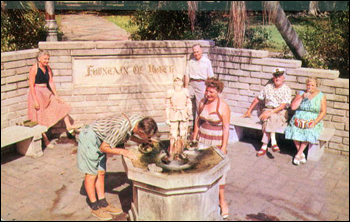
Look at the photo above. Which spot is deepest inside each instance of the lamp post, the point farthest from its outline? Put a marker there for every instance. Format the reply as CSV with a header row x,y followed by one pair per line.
x,y
51,24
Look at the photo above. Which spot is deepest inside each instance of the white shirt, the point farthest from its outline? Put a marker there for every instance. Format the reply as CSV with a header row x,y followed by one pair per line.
x,y
201,69
275,97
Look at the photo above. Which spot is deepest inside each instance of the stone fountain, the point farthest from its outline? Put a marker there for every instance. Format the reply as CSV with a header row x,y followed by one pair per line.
x,y
174,179
183,194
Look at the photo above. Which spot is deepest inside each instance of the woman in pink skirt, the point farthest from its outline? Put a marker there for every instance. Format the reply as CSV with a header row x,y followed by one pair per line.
x,y
44,105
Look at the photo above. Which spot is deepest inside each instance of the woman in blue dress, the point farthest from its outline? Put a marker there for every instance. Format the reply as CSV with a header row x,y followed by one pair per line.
x,y
306,126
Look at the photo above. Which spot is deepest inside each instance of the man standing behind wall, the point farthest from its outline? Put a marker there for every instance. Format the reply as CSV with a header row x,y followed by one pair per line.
x,y
198,70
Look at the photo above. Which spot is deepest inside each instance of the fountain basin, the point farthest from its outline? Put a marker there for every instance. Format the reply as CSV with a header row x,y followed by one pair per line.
x,y
181,195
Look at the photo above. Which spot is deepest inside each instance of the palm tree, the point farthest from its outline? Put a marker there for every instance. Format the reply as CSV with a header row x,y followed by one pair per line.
x,y
192,8
313,8
236,26
279,18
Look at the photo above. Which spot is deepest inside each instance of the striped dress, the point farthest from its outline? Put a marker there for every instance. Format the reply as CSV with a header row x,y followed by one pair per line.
x,y
211,131
113,130
210,127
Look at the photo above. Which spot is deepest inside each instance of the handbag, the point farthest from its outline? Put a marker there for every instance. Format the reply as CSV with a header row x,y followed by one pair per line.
x,y
303,124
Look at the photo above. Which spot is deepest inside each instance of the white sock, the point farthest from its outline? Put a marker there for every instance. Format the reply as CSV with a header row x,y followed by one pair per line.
x,y
264,146
273,139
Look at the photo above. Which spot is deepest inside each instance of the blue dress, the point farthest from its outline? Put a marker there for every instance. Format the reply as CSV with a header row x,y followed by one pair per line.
x,y
308,110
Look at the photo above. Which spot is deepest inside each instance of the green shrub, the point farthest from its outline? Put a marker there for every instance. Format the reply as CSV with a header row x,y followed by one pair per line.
x,y
257,38
160,24
327,43
164,24
21,29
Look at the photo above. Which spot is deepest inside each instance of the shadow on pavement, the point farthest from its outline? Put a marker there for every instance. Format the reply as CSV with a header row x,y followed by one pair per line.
x,y
115,183
9,154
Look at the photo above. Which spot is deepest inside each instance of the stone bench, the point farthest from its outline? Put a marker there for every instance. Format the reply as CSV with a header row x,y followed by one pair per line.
x,y
27,139
237,123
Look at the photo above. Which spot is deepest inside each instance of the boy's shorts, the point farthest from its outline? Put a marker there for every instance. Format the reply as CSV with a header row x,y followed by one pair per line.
x,y
89,157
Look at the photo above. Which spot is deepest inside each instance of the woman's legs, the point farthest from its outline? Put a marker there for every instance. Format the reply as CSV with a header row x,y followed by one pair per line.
x,y
300,157
67,122
222,201
46,140
297,145
303,145
300,147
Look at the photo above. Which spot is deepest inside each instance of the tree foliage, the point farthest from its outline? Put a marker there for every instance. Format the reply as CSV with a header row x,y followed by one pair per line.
x,y
328,43
21,29
165,24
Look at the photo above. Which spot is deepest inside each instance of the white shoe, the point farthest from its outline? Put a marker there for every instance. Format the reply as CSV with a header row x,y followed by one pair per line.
x,y
296,160
302,158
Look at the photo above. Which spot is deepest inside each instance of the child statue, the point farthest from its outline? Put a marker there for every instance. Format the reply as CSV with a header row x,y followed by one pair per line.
x,y
178,111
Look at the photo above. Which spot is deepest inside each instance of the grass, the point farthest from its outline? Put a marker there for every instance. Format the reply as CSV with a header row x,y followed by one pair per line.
x,y
278,43
123,22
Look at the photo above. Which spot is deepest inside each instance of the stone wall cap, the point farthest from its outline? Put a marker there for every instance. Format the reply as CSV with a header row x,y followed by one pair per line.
x,y
67,45
310,72
241,52
18,55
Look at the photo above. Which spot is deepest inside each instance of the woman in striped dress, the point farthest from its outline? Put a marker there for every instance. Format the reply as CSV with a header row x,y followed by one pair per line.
x,y
212,127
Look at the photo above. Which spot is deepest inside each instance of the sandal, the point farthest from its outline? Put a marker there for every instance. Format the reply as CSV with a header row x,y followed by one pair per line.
x,y
275,148
261,152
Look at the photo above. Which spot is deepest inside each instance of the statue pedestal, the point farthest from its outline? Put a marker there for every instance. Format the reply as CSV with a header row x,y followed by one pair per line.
x,y
174,195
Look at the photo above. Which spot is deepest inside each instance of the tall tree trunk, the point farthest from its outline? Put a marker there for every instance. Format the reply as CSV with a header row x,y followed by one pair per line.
x,y
192,8
236,28
3,6
313,8
279,18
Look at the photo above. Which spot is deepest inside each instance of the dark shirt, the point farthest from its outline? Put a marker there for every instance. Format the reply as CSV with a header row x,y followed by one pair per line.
x,y
42,77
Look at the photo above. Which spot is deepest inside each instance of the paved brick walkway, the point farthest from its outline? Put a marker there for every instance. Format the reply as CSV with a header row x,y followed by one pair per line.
x,y
87,27
50,187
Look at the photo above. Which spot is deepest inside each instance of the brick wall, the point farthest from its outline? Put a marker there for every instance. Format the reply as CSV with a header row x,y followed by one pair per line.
x,y
244,72
14,85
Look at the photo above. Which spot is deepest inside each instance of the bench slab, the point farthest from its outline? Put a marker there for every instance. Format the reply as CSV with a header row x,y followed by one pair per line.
x,y
237,123
27,139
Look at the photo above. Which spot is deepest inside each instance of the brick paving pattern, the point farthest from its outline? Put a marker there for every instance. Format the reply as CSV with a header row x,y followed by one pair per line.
x,y
51,187
85,27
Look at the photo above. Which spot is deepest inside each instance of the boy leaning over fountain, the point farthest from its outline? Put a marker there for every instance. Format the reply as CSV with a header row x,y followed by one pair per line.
x,y
101,138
